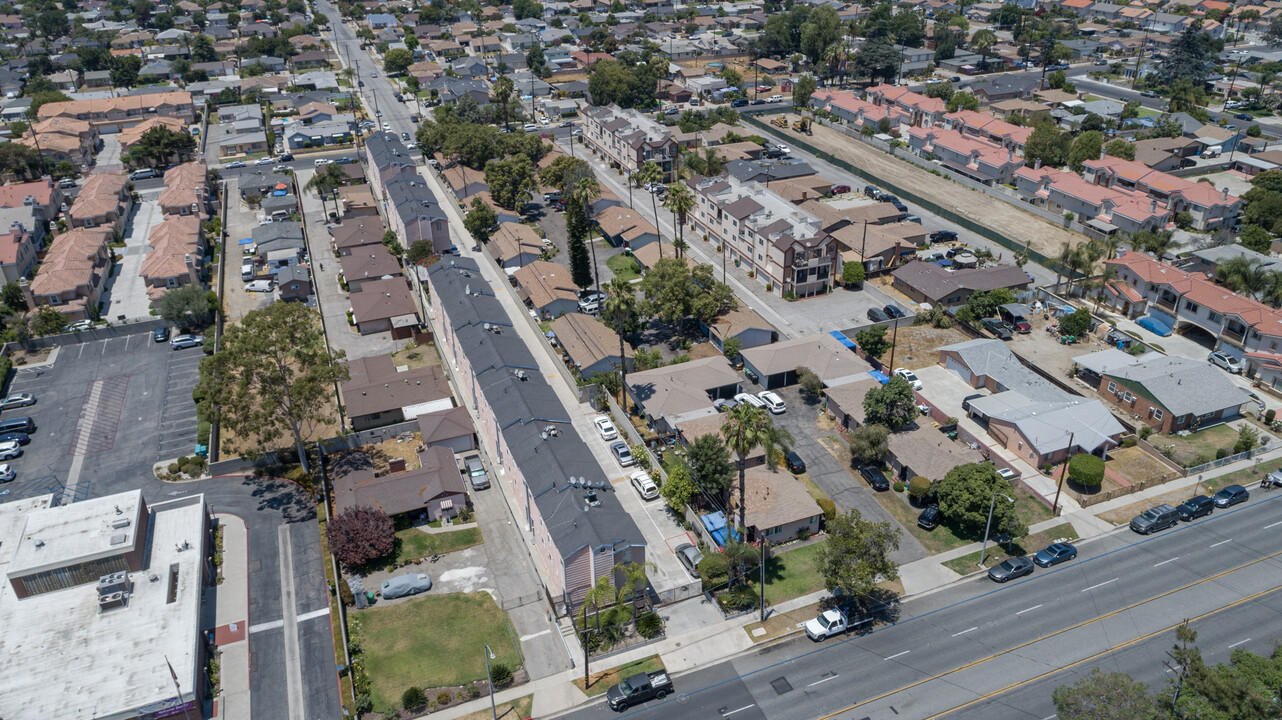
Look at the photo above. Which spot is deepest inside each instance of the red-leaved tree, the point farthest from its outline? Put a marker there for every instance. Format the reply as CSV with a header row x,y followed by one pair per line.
x,y
360,534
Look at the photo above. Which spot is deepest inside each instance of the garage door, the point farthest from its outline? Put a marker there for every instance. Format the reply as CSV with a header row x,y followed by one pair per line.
x,y
956,366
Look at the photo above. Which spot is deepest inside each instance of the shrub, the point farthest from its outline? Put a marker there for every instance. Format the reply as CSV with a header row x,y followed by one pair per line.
x,y
174,468
1247,438
6,365
1269,415
360,534
898,486
473,691
1145,431
1086,470
803,533
345,593
501,674
714,570
1221,453
1129,441
443,698
649,625
829,507
413,697
918,487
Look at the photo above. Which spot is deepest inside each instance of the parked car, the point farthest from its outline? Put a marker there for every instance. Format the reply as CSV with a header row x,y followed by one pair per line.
x,y
476,474
405,585
1010,569
19,437
1158,517
605,427
773,402
1230,496
260,285
6,473
893,312
321,161
287,157
929,518
17,400
530,127
997,328
232,165
267,160
1054,554
877,479
1226,361
910,376
66,183
830,623
840,189
758,101
795,463
79,325
9,450
689,556
644,485
405,136
1195,507
387,127
1245,116
622,453
724,405
877,315
373,74
637,689
566,124
186,341
750,399
741,102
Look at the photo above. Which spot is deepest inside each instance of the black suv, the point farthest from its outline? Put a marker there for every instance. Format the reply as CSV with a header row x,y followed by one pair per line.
x,y
795,463
875,477
929,518
1194,508
1158,517
943,236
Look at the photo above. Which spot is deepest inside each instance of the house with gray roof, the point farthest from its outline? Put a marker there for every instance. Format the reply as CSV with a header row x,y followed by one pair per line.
x,y
563,500
1170,394
671,394
930,283
334,132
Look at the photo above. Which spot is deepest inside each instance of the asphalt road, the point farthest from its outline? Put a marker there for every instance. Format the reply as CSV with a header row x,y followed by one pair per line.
x,y
956,650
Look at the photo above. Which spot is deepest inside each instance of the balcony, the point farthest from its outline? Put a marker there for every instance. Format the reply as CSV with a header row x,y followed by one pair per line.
x,y
1236,338
1165,303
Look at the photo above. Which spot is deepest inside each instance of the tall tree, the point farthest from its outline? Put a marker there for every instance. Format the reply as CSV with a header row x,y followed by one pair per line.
x,y
274,377
586,190
397,60
710,468
501,95
1187,58
1105,696
621,305
680,201
512,181
650,172
892,404
188,306
982,42
856,556
802,90
965,495
745,430
480,221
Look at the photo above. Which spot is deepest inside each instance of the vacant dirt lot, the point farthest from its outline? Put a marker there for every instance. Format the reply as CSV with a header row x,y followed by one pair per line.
x,y
918,345
1015,224
1138,466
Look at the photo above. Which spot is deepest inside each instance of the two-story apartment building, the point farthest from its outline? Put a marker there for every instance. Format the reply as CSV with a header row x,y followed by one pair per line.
x,y
978,159
989,129
414,212
921,110
63,139
73,273
628,139
1103,209
386,157
110,115
1210,209
785,246
104,201
567,509
859,113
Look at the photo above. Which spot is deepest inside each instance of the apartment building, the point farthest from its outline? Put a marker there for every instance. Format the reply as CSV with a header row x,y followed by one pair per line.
x,y
859,113
972,157
73,273
110,115
629,139
785,246
989,129
63,139
1210,209
1103,209
104,200
921,110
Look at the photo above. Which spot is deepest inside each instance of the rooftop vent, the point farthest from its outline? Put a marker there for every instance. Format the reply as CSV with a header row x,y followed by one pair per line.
x,y
119,523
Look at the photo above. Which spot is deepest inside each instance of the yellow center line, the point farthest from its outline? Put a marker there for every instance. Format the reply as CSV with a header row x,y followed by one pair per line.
x,y
1061,631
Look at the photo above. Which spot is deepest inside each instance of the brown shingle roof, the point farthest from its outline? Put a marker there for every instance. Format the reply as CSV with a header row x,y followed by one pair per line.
x,y
375,386
587,340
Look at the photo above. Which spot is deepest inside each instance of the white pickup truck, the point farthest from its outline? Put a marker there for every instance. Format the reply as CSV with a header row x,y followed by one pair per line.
x,y
828,624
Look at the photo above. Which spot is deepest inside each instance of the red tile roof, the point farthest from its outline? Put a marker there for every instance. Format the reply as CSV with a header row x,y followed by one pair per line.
x,y
1197,288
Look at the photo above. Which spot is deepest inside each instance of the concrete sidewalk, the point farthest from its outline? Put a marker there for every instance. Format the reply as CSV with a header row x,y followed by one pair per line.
x,y
230,626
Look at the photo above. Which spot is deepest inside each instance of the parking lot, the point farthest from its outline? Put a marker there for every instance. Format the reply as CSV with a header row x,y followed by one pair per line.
x,y
105,412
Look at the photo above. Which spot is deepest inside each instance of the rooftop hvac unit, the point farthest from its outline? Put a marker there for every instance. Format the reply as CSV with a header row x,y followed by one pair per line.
x,y
111,601
116,582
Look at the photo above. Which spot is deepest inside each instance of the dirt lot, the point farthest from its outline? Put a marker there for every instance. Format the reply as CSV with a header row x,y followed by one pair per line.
x,y
1015,224
1044,350
1137,466
918,345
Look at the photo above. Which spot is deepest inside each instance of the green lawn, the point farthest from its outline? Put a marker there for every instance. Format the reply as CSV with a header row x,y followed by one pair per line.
x,y
1148,112
967,564
624,267
935,541
1200,446
413,544
603,680
432,641
791,574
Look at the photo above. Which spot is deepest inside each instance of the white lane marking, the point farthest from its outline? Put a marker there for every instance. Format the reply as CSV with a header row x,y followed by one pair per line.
x,y
1100,585
314,614
745,707
963,632
531,636
1021,612
817,682
266,626
1222,542
1239,643
892,657
1266,527
1177,557
1050,717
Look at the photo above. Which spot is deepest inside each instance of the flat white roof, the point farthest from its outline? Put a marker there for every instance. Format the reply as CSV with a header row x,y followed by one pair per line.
x,y
70,534
77,663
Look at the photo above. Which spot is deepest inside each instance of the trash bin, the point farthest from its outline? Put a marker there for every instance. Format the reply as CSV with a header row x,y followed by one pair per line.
x,y
369,597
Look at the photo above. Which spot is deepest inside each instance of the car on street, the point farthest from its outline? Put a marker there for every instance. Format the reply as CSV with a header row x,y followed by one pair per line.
x,y
795,464
405,585
1244,116
637,689
186,341
234,164
1100,62
387,127
773,402
605,427
741,102
877,315
1226,361
530,128
287,157
750,399
1158,517
758,101
405,136
1195,507
943,236
566,124
622,453
644,485
9,450
1230,495
929,518
19,437
672,110
1054,554
997,328
281,169
17,400
877,479
689,556
373,74
79,325
6,473
321,161
910,376
1010,569
268,160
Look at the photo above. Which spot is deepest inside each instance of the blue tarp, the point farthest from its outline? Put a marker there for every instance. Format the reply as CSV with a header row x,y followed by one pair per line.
x,y
280,193
1154,325
879,376
715,523
246,241
842,339
944,263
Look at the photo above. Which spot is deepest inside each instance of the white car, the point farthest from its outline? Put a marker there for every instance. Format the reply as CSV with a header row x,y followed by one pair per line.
x,y
6,473
17,400
641,481
908,375
387,127
773,402
260,286
265,161
605,427
9,450
321,161
750,399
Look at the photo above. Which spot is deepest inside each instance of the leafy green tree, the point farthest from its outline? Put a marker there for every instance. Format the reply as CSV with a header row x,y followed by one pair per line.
x,y
1086,470
982,304
730,348
124,70
965,495
501,97
536,60
1101,696
159,145
580,263
563,172
1087,146
512,181
868,443
1256,238
420,251
710,468
11,296
852,273
809,381
856,556
821,29
962,101
480,221
273,376
43,98
873,341
892,404
1077,323
202,49
395,61
982,42
1186,58
21,161
47,321
1047,144
188,306
876,59
576,221
678,489
1273,34
1120,148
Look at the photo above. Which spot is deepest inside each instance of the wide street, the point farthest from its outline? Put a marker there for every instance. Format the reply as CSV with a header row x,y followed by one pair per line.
x,y
980,646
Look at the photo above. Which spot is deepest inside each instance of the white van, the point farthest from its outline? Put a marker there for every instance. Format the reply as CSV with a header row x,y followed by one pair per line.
x,y
144,174
774,99
750,399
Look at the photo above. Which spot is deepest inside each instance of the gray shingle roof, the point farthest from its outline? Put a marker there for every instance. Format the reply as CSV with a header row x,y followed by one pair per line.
x,y
1184,386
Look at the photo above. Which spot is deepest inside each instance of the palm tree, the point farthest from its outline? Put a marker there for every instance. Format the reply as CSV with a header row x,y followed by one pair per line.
x,y
745,429
324,182
1108,275
620,304
680,201
982,42
635,579
777,442
650,173
633,180
500,94
1062,263
587,189
737,554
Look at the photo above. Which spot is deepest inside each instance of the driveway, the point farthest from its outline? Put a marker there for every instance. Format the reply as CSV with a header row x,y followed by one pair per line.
x,y
553,224
125,296
840,483
108,158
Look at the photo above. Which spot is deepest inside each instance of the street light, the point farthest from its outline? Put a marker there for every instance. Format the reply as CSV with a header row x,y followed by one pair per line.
x,y
991,503
489,655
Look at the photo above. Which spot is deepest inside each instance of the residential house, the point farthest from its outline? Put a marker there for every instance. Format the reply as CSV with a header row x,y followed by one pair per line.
x,y
22,234
72,275
589,346
742,323
1208,208
387,158
318,134
928,282
116,113
515,245
622,227
294,283
629,138
131,135
245,144
186,191
378,394
356,234
777,507
415,213
450,90
104,201
385,305
846,401
970,157
547,288
450,428
833,360
432,491
1104,210
42,196
372,263
671,394
63,139
1170,394
1004,87
918,110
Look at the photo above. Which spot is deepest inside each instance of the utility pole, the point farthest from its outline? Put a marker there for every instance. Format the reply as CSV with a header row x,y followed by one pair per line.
x,y
1062,472
763,579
